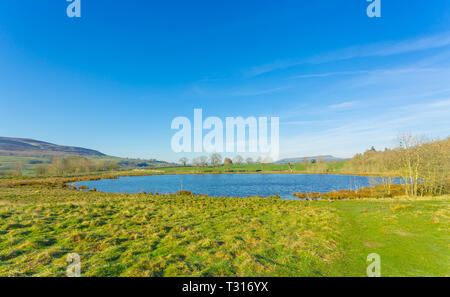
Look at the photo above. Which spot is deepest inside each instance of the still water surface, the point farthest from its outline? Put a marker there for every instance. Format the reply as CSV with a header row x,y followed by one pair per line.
x,y
232,185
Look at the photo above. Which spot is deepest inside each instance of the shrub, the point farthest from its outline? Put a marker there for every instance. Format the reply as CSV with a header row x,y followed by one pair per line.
x,y
185,193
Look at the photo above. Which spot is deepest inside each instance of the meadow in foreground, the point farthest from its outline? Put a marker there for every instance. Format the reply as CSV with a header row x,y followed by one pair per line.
x,y
143,235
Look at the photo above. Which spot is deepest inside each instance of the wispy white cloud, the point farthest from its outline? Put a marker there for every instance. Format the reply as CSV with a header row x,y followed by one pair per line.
x,y
328,74
375,71
259,92
371,50
269,67
357,134
310,122
344,105
213,79
412,45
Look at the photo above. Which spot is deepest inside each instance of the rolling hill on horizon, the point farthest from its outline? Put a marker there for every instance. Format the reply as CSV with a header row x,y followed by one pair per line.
x,y
326,158
24,147
26,153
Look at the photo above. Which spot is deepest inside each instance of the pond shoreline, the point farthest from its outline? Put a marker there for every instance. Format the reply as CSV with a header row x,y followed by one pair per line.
x,y
62,181
229,185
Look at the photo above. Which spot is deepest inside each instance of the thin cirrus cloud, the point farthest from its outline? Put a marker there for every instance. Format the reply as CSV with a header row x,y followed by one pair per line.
x,y
361,72
344,105
350,137
259,92
328,74
371,50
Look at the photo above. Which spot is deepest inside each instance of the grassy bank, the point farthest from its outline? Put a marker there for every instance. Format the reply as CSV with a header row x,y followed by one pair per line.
x,y
143,235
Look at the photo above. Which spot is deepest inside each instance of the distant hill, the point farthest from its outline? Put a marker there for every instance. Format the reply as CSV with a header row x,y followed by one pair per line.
x,y
22,147
326,158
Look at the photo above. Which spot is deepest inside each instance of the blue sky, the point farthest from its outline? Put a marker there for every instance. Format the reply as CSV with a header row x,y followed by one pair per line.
x,y
114,79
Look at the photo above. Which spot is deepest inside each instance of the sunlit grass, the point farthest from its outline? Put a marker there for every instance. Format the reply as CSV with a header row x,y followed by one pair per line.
x,y
143,235
162,236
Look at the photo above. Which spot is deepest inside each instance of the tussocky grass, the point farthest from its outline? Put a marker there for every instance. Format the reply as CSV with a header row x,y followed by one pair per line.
x,y
147,235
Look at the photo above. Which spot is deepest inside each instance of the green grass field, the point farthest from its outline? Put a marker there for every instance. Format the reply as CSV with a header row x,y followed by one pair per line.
x,y
331,167
143,235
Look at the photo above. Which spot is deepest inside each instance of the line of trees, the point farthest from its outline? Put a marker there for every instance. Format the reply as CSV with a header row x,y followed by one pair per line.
x,y
424,163
75,164
216,160
316,166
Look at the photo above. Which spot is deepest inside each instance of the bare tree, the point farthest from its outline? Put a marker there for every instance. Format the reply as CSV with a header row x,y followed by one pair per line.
x,y
203,161
184,161
410,159
321,165
238,160
249,161
18,168
290,166
267,160
40,169
196,162
215,160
